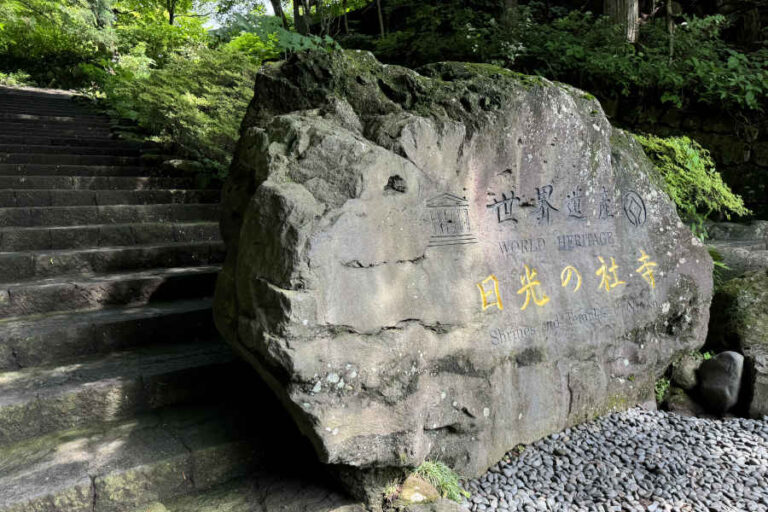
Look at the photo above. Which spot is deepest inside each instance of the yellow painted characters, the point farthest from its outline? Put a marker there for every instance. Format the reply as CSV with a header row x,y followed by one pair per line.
x,y
646,269
608,275
567,274
570,278
494,292
530,285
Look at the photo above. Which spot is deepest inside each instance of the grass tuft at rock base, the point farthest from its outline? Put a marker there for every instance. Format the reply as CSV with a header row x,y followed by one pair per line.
x,y
443,478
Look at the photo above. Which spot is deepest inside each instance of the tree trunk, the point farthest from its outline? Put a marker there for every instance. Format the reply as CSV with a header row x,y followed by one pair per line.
x,y
277,6
381,17
171,4
346,20
298,18
510,13
625,13
306,11
671,29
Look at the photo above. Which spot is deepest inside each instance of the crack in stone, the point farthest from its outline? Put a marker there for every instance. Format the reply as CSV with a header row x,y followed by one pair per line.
x,y
93,492
358,264
437,328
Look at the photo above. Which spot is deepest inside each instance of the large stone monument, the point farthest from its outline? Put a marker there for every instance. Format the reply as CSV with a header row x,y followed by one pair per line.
x,y
447,263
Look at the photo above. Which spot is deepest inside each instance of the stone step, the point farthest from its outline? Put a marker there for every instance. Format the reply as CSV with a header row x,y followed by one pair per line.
x,y
96,182
95,136
38,216
65,109
33,197
59,140
23,112
748,245
36,95
79,170
276,490
48,114
51,338
84,119
48,109
23,266
112,387
69,293
61,129
120,467
68,150
67,159
105,235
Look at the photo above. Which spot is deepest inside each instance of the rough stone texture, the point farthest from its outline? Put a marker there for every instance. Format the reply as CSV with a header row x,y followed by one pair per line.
x,y
416,490
740,322
679,402
741,257
368,214
276,492
684,370
755,230
758,368
438,506
741,247
720,381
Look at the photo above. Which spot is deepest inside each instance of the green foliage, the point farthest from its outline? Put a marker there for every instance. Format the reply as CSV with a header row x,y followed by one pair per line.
x,y
265,37
707,355
691,179
582,49
443,478
194,103
661,388
150,27
15,79
719,268
433,30
251,44
591,52
390,492
49,38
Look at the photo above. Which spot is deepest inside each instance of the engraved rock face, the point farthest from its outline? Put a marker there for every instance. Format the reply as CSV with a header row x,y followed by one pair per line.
x,y
445,264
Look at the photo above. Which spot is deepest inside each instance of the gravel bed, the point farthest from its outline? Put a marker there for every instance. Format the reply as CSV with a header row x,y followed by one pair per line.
x,y
634,460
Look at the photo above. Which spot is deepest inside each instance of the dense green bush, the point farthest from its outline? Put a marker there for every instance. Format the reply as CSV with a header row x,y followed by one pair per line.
x,y
590,52
15,79
266,38
161,39
194,103
438,30
582,49
48,39
691,179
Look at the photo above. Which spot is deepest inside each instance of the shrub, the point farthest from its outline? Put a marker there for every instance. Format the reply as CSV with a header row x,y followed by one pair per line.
x,y
690,176
194,104
49,39
161,40
15,79
590,52
661,388
265,37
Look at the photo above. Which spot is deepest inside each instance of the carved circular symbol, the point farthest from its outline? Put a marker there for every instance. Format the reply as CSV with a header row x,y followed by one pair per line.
x,y
634,209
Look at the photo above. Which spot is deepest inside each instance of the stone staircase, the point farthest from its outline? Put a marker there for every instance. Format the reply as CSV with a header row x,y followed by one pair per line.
x,y
112,376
